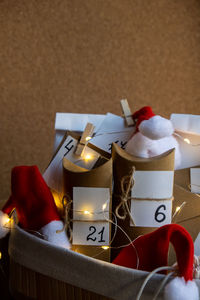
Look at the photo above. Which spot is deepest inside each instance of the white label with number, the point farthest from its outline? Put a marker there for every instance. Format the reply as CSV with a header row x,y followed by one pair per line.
x,y
112,130
153,184
195,180
150,213
91,233
53,174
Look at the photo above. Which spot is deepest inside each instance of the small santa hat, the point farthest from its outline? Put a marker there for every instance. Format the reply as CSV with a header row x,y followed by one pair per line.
x,y
150,251
34,204
152,126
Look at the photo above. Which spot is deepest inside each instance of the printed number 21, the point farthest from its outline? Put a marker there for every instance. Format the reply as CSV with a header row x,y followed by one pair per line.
x,y
93,230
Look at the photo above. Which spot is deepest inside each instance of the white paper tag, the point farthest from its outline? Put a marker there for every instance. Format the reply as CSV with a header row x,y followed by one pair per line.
x,y
186,122
151,213
54,172
91,203
93,234
74,122
153,184
195,180
189,152
112,130
77,122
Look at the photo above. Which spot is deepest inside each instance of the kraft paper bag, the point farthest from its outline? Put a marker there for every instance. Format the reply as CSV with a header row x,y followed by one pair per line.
x,y
182,178
188,216
100,177
122,166
189,179
53,174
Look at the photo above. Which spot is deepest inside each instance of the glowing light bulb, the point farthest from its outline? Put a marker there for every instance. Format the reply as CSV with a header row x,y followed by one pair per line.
x,y
177,209
105,247
88,157
104,206
187,141
88,138
6,221
86,212
0,255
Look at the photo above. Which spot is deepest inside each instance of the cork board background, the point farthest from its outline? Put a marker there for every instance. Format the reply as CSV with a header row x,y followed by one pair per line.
x,y
84,56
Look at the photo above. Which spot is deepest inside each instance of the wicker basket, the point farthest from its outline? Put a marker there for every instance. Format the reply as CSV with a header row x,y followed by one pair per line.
x,y
42,271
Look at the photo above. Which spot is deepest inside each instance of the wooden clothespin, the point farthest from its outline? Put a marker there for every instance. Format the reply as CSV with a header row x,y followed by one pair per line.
x,y
87,133
127,112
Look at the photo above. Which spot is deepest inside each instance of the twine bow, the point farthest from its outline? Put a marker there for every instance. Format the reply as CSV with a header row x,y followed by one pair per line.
x,y
127,183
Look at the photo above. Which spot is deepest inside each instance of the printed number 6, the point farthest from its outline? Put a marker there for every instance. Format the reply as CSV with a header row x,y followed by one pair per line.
x,y
160,216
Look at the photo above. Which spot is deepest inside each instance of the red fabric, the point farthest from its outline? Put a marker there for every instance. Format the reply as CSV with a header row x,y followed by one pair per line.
x,y
32,198
152,250
145,113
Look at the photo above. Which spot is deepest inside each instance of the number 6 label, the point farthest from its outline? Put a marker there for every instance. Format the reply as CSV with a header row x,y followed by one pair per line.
x,y
150,213
91,233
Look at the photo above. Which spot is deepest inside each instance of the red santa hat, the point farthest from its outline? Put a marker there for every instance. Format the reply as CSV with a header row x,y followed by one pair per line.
x,y
150,125
34,204
150,251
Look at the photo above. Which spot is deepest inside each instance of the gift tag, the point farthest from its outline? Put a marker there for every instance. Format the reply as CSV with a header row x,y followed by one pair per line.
x,y
150,213
94,233
74,122
195,180
153,184
112,130
186,122
91,215
54,172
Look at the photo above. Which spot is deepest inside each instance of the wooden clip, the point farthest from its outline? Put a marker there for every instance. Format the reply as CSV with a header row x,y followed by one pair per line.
x,y
87,133
127,112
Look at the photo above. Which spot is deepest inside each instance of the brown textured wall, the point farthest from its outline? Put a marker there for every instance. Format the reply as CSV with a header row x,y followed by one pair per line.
x,y
84,56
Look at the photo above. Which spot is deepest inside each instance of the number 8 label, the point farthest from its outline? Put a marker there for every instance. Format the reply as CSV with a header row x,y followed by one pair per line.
x,y
151,213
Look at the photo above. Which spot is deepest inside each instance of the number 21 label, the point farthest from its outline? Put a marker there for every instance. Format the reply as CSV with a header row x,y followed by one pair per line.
x,y
91,233
151,213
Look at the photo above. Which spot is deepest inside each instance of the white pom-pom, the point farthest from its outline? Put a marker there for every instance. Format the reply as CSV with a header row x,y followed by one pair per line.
x,y
57,238
156,128
179,289
4,224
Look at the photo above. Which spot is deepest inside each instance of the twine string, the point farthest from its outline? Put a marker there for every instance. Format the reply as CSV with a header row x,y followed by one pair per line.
x,y
127,183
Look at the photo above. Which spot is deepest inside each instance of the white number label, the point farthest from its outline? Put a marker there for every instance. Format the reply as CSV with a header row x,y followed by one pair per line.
x,y
86,233
151,213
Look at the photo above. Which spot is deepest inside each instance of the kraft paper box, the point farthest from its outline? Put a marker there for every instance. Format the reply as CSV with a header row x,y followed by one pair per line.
x,y
189,215
99,178
122,165
53,174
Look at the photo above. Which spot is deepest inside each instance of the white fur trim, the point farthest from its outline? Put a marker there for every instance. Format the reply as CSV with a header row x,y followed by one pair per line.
x,y
4,224
141,146
57,238
156,128
179,289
